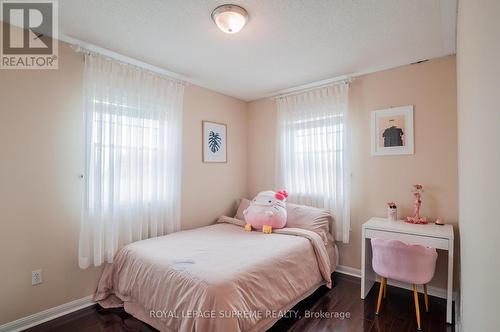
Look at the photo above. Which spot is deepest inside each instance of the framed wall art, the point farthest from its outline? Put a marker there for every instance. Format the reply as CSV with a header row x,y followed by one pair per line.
x,y
214,142
392,131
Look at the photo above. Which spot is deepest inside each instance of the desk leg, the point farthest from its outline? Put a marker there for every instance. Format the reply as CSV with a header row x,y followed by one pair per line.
x,y
363,269
449,295
367,274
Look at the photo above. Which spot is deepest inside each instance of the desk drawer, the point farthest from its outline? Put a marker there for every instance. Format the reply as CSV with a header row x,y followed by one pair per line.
x,y
428,241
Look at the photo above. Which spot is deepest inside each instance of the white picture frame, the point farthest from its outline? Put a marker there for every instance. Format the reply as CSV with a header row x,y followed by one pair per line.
x,y
392,131
214,140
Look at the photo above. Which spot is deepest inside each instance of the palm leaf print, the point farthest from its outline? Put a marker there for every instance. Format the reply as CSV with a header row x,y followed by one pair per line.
x,y
214,141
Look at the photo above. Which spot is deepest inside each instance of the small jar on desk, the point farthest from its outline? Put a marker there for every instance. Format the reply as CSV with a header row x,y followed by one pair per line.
x,y
392,211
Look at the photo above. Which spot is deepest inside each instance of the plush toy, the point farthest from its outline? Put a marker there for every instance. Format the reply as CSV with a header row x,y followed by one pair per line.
x,y
266,211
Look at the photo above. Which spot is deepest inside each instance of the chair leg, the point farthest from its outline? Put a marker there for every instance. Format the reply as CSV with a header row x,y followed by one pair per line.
x,y
417,309
426,299
381,290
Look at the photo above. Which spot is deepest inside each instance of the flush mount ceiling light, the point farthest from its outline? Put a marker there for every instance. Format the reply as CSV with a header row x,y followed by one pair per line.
x,y
230,18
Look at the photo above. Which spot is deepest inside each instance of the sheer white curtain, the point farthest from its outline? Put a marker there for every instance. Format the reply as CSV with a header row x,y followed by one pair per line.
x,y
133,125
313,151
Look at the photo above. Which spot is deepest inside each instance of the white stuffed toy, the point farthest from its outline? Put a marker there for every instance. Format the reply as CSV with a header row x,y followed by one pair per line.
x,y
266,211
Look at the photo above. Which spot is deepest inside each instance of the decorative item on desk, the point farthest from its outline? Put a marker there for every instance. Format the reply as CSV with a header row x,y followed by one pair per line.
x,y
439,222
392,211
417,219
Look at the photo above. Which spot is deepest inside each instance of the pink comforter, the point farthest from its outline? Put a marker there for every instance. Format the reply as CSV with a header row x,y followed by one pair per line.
x,y
215,278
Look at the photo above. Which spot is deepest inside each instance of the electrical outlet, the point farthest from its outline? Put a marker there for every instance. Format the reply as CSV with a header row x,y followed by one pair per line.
x,y
36,277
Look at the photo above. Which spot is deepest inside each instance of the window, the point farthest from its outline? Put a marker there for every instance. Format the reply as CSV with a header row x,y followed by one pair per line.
x,y
125,140
132,157
321,143
313,160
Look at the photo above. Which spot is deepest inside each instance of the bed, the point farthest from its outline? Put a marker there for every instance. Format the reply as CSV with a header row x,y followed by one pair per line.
x,y
219,277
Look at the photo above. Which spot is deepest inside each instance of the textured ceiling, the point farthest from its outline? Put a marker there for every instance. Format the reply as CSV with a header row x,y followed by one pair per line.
x,y
286,42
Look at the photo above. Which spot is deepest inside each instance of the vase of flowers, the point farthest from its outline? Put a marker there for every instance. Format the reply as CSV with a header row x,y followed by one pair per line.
x,y
392,211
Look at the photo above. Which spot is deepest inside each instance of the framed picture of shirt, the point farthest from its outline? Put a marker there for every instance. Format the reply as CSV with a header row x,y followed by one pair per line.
x,y
392,131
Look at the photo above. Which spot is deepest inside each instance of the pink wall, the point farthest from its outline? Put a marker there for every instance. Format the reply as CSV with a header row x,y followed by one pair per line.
x,y
210,190
431,88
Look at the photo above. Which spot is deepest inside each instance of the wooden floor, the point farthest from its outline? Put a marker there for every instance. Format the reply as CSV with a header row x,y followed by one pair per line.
x,y
397,313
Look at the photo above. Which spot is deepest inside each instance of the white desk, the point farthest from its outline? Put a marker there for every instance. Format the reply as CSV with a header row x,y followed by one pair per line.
x,y
430,235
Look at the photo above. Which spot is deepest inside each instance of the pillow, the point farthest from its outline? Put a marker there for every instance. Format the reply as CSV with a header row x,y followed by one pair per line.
x,y
310,218
300,216
242,205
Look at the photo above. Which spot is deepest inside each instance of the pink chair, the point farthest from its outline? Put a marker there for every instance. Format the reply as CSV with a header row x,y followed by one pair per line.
x,y
413,264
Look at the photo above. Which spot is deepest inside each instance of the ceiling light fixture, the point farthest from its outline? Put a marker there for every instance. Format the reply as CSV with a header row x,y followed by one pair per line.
x,y
230,18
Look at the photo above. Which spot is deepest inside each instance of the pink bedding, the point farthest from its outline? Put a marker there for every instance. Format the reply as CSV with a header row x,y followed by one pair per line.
x,y
216,278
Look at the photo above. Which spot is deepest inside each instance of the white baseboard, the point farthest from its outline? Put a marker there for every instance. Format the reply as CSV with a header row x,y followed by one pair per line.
x,y
46,315
348,270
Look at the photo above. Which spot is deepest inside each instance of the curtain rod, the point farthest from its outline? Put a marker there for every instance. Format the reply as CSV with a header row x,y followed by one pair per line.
x,y
81,46
336,80
345,79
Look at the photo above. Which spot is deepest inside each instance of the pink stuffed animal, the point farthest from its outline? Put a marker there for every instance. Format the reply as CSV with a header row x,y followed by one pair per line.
x,y
266,211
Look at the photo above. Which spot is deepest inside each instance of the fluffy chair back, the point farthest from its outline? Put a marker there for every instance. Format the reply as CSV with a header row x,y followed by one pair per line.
x,y
413,264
